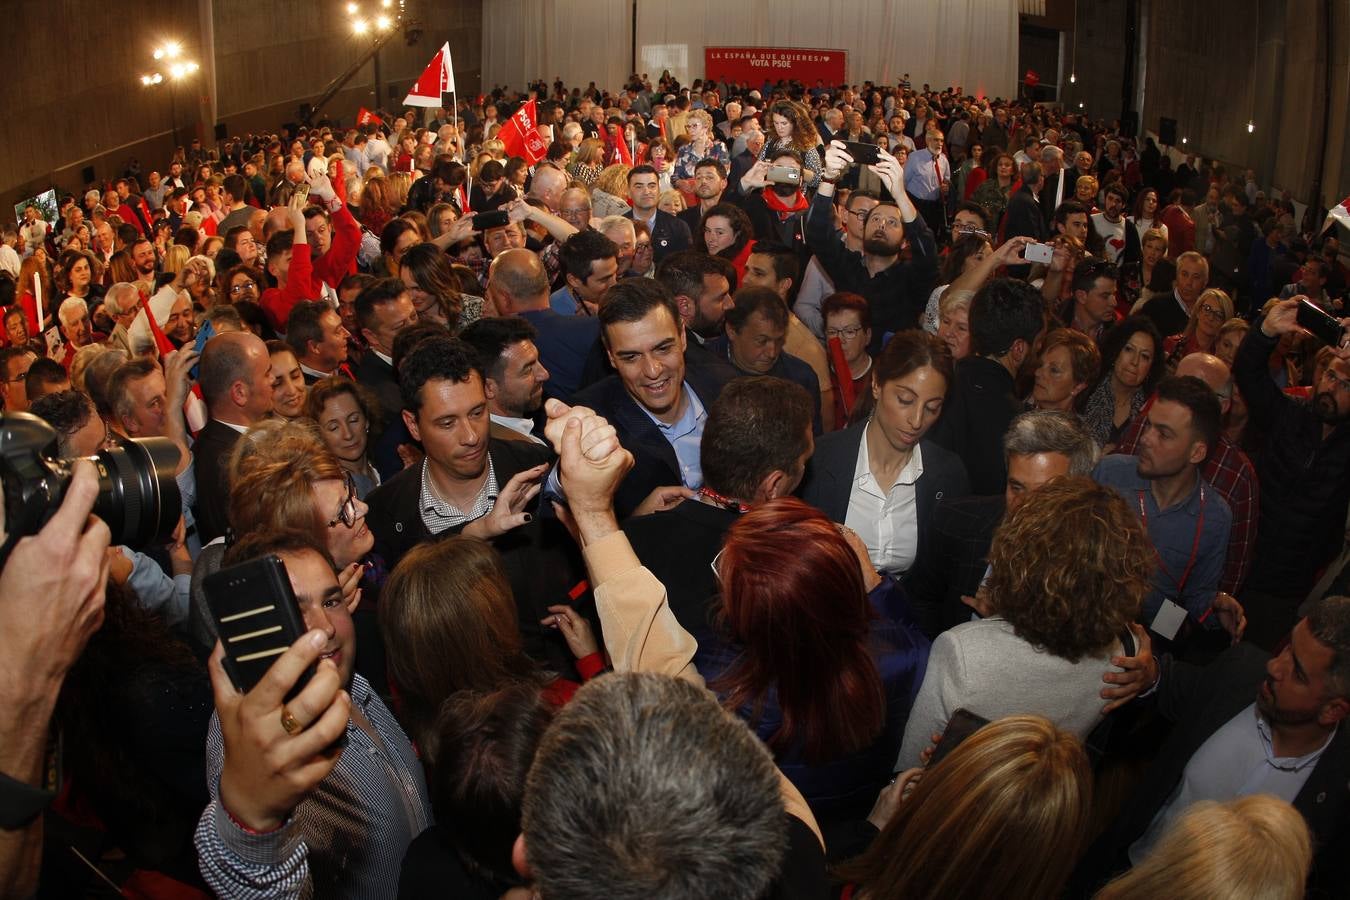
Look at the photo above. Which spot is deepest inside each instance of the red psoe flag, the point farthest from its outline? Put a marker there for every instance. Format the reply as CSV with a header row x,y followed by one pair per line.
x,y
521,137
437,78
366,117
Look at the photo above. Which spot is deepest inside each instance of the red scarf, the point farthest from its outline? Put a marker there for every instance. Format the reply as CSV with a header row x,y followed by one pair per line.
x,y
781,206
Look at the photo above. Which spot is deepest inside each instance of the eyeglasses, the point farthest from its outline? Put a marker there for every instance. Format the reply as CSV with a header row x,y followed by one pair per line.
x,y
1215,314
243,288
347,511
848,333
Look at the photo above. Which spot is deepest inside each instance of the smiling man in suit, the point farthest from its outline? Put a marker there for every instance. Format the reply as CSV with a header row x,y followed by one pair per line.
x,y
669,234
658,401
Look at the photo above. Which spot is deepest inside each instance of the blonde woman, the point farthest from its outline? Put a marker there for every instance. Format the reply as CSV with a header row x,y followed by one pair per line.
x,y
1254,847
698,125
671,202
588,162
1003,815
609,194
1210,312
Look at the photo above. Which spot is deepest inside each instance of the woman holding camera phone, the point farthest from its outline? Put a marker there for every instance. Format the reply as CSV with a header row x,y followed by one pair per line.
x,y
792,130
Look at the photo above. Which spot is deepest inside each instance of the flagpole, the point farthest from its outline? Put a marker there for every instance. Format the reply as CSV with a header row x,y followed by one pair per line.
x,y
454,111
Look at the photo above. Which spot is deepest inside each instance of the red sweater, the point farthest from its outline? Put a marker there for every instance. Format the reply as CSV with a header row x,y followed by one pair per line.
x,y
277,302
337,263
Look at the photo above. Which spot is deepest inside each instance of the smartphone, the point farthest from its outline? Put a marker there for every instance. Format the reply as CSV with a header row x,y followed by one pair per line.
x,y
495,218
1038,253
256,618
302,190
863,154
1326,327
204,334
783,175
962,725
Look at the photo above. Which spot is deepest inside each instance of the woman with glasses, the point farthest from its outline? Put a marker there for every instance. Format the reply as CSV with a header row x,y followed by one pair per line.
x,y
241,283
849,322
284,478
1201,334
345,412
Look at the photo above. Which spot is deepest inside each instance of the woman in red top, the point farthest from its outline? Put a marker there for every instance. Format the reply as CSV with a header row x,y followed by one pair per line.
x,y
451,624
727,232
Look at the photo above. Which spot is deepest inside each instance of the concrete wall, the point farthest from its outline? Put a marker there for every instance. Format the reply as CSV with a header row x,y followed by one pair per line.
x,y
260,59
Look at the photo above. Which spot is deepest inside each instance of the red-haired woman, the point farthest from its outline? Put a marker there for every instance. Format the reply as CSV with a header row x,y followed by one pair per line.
x,y
800,652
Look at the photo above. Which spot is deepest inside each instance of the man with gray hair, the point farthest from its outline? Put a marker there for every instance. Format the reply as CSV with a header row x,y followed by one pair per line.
x,y
1038,446
1053,191
76,328
122,303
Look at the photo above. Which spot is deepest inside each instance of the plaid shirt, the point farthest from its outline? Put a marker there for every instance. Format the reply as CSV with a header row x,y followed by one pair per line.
x,y
440,516
1231,473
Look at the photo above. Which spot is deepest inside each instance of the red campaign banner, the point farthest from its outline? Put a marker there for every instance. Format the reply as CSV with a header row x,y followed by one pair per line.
x,y
521,136
755,65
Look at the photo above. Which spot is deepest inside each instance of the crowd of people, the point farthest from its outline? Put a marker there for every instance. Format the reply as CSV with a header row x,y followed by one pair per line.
x,y
774,491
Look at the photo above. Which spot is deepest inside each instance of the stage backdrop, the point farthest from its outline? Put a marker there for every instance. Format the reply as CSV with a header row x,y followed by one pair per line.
x,y
968,42
754,65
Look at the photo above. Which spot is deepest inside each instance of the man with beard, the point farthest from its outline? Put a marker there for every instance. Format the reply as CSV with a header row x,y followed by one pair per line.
x,y
1120,238
513,376
1302,464
701,284
143,258
710,183
1248,724
1186,519
896,291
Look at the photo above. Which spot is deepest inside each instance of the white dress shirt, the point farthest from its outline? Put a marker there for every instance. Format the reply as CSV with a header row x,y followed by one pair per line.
x,y
887,519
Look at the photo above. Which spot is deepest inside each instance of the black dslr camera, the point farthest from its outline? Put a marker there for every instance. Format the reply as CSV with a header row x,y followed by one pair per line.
x,y
137,495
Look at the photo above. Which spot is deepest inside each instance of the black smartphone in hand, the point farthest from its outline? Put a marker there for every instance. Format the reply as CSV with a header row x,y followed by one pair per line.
x,y
1326,327
257,619
962,725
495,218
863,154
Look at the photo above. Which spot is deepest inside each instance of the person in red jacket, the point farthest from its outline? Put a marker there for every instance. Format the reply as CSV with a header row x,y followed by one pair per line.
x,y
334,234
291,273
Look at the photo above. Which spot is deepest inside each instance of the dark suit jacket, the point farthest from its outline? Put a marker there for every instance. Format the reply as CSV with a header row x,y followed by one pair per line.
x,y
954,561
564,342
829,477
1023,216
540,558
378,377
1047,199
655,463
740,164
669,234
1200,701
211,463
980,407
693,217
678,546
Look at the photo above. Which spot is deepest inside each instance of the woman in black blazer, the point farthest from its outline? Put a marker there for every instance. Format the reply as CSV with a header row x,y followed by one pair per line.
x,y
881,478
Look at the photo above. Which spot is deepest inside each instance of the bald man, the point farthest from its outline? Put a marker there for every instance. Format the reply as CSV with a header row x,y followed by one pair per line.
x,y
1227,470
548,185
518,285
235,375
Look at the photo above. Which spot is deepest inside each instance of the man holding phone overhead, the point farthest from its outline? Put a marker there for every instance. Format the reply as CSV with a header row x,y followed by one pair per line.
x,y
896,290
292,811
1302,465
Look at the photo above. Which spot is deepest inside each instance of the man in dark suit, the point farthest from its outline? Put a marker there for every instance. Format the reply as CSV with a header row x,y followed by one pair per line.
x,y
518,286
745,160
1023,216
659,398
755,448
316,335
1290,742
235,376
1005,319
1039,445
669,234
477,486
383,310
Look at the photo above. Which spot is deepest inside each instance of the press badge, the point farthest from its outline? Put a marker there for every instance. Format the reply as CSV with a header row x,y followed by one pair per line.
x,y
1168,620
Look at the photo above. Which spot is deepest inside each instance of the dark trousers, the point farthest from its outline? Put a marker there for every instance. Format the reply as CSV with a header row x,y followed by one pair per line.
x,y
935,217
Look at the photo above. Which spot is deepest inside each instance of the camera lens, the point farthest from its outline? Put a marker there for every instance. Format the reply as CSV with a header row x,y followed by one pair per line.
x,y
137,495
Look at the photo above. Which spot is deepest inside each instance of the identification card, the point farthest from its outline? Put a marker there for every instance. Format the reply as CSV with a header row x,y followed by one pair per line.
x,y
1168,621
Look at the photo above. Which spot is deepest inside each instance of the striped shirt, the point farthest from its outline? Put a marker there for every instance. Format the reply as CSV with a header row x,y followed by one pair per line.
x,y
346,839
439,516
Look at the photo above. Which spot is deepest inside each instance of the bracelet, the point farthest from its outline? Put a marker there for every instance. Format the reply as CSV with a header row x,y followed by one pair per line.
x,y
247,830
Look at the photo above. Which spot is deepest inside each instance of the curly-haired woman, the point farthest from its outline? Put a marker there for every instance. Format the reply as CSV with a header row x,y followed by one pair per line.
x,y
1069,569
